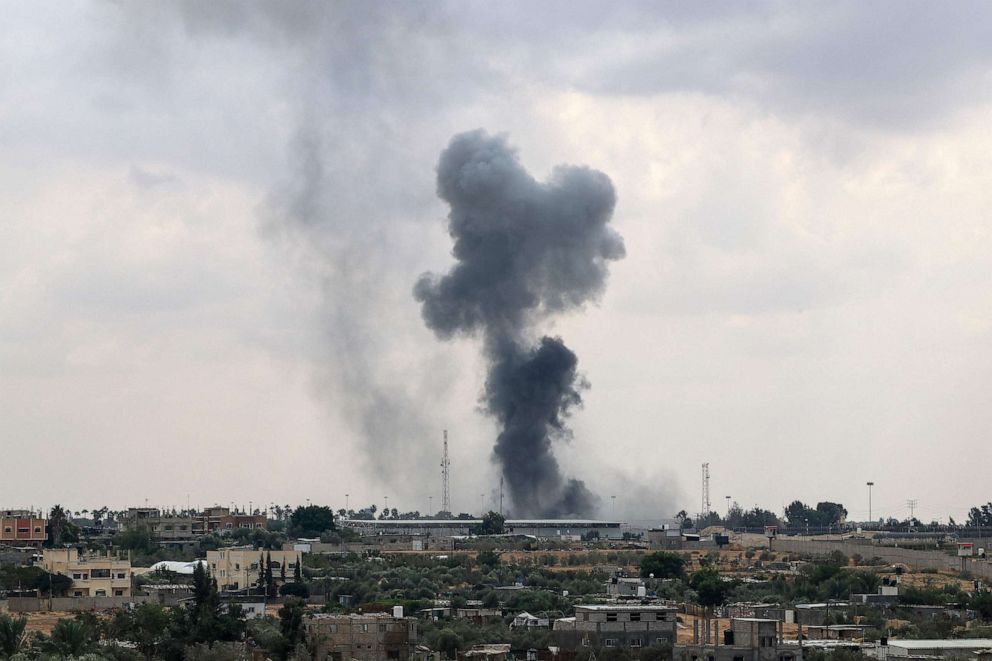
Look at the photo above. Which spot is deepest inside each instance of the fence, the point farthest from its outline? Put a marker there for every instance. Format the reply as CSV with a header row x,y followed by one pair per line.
x,y
892,554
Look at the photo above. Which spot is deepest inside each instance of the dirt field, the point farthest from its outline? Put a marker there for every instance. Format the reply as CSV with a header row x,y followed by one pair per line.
x,y
45,622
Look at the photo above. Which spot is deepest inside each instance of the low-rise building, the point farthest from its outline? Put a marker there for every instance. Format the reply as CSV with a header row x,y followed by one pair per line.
x,y
22,528
237,568
92,575
622,586
614,625
962,648
526,620
370,637
747,639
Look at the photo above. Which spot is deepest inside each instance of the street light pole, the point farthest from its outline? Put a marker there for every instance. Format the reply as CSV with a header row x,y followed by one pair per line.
x,y
870,485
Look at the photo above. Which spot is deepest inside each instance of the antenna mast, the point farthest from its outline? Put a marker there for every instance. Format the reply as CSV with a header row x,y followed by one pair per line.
x,y
445,470
706,488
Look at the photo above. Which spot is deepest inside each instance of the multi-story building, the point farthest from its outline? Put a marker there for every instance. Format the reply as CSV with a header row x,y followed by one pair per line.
x,y
615,625
237,568
371,637
218,519
92,575
22,528
183,528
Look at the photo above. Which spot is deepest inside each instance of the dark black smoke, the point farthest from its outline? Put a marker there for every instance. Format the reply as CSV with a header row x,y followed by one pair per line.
x,y
524,250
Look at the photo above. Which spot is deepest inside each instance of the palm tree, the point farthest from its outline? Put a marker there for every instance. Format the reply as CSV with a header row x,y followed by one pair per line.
x,y
57,524
11,635
72,638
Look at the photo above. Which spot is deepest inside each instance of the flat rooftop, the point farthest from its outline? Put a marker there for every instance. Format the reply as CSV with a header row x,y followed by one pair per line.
x,y
947,644
628,608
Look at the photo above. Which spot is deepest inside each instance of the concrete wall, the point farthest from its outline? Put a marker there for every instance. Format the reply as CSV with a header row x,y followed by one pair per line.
x,y
910,557
40,604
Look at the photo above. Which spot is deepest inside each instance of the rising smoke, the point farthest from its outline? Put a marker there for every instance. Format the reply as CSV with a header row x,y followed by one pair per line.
x,y
525,250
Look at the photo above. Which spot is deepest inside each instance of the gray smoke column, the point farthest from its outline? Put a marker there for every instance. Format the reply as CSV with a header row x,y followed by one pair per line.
x,y
524,250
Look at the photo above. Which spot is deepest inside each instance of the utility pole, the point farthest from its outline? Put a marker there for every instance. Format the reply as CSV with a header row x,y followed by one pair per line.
x,y
706,489
430,505
870,485
912,509
614,511
501,495
728,506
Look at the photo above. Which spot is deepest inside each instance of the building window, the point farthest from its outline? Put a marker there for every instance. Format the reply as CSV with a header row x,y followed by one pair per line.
x,y
610,642
585,642
120,575
611,617
635,617
118,593
77,576
635,642
101,593
37,531
365,628
7,529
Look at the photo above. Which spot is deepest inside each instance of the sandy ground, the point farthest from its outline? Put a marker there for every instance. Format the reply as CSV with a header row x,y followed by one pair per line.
x,y
45,622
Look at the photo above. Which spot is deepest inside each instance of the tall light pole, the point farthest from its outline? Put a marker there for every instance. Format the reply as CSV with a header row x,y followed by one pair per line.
x,y
728,506
870,485
613,515
430,505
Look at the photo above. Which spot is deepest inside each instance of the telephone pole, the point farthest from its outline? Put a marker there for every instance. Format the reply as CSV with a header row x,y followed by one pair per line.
x,y
706,488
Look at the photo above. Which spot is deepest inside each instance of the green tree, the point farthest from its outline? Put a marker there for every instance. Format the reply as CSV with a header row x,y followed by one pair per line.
x,y
663,565
58,525
488,558
136,538
270,581
298,569
311,520
52,584
982,603
147,626
712,590
448,643
492,524
11,634
291,621
72,638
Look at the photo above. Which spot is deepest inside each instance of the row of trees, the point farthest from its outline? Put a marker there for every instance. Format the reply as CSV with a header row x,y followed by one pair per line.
x,y
798,514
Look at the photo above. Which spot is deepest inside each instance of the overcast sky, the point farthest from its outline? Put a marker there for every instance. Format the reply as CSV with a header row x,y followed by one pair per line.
x,y
212,216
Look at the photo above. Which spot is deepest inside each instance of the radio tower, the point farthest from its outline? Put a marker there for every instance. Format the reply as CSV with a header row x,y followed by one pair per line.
x,y
706,488
445,470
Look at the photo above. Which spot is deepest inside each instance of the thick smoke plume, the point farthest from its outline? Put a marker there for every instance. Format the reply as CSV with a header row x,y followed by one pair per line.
x,y
525,250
